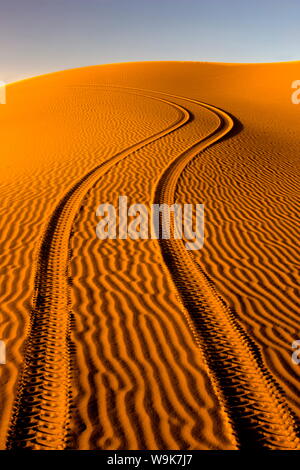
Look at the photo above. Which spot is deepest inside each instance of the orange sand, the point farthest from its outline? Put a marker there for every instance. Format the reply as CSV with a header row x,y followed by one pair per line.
x,y
123,344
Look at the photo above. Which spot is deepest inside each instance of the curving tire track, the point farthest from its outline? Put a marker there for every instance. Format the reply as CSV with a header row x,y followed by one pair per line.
x,y
255,404
41,414
251,397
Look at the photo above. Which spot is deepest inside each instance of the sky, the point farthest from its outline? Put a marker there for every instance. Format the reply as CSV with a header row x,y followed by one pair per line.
x,y
42,36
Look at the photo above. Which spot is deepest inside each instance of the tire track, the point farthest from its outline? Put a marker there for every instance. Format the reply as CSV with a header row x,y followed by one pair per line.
x,y
42,410
250,395
252,398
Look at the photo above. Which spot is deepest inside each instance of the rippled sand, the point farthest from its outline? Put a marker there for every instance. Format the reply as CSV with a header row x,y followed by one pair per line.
x,y
140,344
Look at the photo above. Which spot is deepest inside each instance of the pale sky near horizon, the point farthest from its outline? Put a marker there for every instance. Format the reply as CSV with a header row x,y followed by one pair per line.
x,y
41,36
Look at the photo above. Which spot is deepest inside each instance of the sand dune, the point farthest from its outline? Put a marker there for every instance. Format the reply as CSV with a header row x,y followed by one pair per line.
x,y
126,344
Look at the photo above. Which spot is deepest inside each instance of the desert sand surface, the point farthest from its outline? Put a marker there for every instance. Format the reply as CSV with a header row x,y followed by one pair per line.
x,y
141,344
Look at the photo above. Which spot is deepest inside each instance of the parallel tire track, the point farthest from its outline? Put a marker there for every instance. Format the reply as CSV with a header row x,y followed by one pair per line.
x,y
251,397
41,414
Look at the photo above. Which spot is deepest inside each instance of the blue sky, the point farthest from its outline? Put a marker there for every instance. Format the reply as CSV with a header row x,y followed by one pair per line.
x,y
41,36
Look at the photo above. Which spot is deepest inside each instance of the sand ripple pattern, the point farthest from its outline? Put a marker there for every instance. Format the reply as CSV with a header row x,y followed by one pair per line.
x,y
142,383
41,416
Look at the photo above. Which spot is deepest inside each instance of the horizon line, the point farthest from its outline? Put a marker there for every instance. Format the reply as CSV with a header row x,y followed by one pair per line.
x,y
209,62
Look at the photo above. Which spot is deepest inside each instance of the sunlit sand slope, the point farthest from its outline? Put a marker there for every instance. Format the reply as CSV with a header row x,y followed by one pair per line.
x,y
138,344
